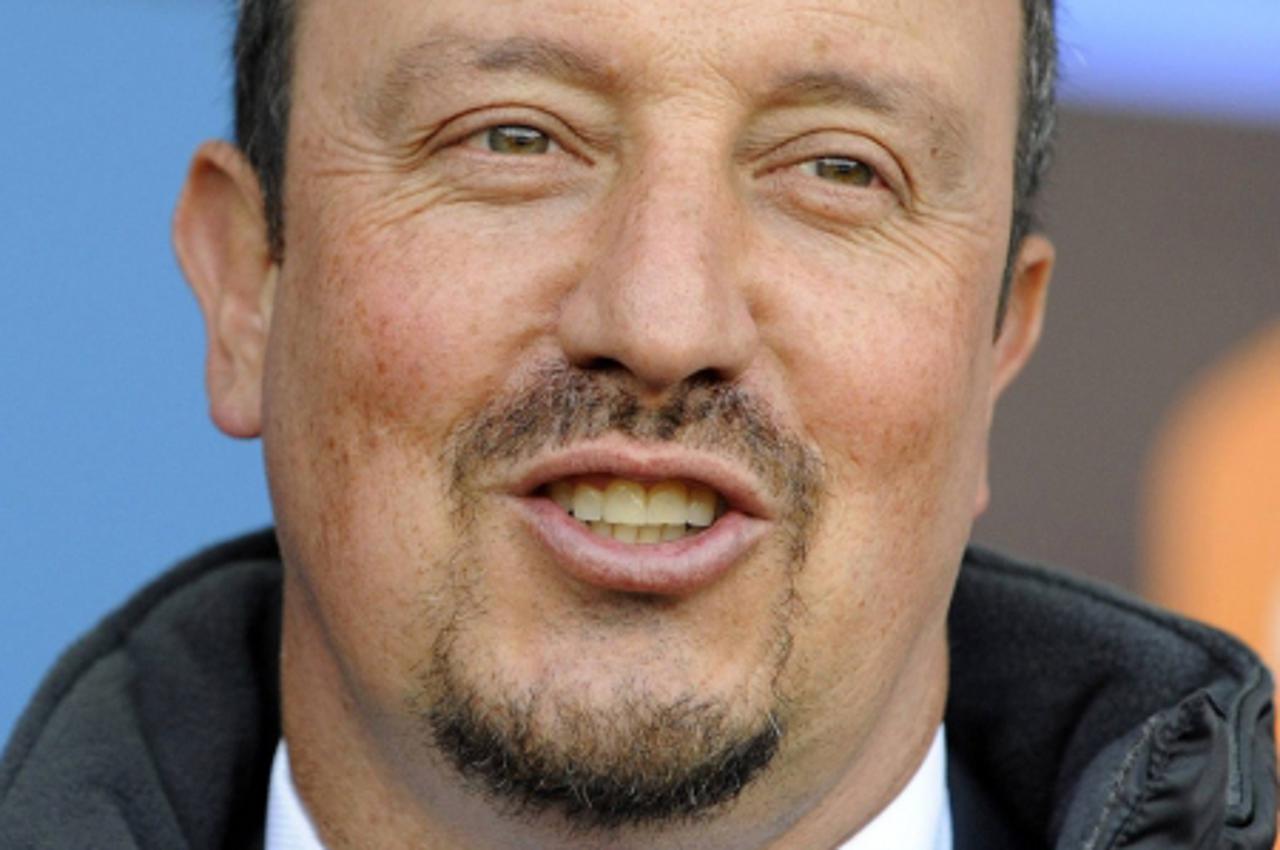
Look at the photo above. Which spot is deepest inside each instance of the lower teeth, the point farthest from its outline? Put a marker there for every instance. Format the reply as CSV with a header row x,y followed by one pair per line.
x,y
647,534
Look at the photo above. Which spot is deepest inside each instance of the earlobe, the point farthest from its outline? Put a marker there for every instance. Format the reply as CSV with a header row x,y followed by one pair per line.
x,y
221,240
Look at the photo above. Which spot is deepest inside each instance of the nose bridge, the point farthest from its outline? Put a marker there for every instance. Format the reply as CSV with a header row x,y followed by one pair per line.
x,y
662,296
670,234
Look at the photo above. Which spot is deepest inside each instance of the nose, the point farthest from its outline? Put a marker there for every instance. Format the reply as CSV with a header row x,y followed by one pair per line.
x,y
663,295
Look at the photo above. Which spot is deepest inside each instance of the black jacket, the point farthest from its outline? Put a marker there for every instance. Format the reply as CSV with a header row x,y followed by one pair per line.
x,y
1078,719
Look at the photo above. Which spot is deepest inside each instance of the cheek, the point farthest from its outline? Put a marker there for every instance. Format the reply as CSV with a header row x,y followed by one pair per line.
x,y
416,316
899,421
403,330
378,347
893,385
892,389
349,395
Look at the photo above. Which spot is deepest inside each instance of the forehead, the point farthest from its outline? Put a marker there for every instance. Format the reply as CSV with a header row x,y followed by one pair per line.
x,y
960,53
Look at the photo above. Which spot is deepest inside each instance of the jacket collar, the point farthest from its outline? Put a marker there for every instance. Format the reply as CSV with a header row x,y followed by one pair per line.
x,y
1087,719
1078,718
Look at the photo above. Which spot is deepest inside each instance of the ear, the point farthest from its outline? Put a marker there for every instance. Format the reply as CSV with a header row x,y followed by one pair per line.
x,y
220,237
1024,311
1019,332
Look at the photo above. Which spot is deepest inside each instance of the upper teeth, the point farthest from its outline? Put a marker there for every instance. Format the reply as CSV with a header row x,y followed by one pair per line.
x,y
629,503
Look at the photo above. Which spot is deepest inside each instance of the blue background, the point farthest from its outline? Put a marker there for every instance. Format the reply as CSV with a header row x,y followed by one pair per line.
x,y
109,468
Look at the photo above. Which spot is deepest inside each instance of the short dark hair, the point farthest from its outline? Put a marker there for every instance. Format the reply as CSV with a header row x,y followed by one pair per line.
x,y
1037,128
264,67
264,71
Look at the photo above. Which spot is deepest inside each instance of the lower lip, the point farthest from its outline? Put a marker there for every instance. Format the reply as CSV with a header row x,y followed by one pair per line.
x,y
672,568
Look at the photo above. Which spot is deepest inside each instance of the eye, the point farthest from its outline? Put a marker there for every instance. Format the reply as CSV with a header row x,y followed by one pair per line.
x,y
841,169
516,140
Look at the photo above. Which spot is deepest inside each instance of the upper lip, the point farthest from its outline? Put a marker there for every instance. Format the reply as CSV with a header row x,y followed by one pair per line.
x,y
646,463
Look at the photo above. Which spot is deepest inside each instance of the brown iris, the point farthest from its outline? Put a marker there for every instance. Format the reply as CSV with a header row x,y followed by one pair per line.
x,y
517,139
841,169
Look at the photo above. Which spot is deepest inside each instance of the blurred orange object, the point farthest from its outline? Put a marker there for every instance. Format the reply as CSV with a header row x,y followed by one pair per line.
x,y
1212,519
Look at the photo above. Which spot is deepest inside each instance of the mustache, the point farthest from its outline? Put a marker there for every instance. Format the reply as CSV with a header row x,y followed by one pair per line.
x,y
561,404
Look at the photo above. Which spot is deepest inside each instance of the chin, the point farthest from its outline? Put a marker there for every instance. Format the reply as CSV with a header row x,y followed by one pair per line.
x,y
599,749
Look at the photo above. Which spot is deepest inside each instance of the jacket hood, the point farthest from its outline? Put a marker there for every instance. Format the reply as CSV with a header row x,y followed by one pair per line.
x,y
1097,721
156,730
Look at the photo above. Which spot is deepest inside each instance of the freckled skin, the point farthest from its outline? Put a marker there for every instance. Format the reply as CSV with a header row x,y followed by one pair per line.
x,y
671,230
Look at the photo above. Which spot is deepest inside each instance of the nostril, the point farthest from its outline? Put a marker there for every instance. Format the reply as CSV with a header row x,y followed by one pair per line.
x,y
706,378
603,364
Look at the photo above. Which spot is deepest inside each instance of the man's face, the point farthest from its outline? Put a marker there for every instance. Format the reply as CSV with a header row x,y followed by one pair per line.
x,y
536,251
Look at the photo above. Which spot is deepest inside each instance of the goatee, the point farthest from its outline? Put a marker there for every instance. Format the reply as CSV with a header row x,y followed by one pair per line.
x,y
637,758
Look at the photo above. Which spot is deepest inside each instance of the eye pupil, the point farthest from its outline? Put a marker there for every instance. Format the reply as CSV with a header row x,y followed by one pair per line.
x,y
851,172
514,139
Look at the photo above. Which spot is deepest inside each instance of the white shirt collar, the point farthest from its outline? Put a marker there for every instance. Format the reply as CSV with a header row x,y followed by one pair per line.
x,y
919,818
288,825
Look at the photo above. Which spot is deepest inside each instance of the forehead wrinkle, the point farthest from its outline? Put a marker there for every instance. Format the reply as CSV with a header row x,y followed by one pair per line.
x,y
428,62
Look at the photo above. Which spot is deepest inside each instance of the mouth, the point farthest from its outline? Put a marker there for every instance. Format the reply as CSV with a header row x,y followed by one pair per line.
x,y
635,513
652,525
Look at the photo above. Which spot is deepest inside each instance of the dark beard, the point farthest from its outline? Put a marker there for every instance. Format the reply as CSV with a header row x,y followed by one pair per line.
x,y
681,761
642,761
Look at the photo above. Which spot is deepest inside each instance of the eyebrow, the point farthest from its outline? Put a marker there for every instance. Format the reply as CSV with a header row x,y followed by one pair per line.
x,y
546,58
835,87
906,100
425,62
